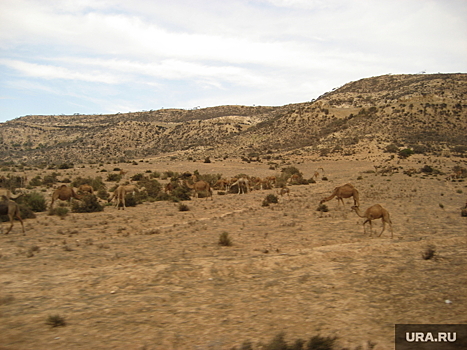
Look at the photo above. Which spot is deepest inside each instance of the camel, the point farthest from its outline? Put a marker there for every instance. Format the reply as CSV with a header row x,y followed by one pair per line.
x,y
221,184
283,191
200,186
7,193
295,179
316,173
344,191
85,188
10,208
64,193
242,184
372,213
120,193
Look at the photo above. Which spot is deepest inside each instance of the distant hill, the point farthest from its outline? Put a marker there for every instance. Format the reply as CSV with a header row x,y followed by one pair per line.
x,y
427,112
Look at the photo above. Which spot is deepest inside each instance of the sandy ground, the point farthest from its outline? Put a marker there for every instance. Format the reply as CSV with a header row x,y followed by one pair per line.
x,y
153,277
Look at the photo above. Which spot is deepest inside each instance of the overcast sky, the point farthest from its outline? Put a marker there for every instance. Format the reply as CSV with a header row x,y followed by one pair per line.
x,y
108,56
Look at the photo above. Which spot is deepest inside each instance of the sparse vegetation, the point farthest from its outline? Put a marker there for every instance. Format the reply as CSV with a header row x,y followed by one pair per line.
x,y
87,204
183,207
224,239
55,321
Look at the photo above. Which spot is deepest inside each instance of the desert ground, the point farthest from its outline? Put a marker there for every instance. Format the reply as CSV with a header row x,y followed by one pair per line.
x,y
153,277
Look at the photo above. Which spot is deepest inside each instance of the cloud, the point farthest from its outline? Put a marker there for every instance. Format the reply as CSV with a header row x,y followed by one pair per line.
x,y
53,72
153,53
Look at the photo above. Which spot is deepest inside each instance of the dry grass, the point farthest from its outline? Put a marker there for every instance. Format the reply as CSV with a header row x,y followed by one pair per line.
x,y
154,277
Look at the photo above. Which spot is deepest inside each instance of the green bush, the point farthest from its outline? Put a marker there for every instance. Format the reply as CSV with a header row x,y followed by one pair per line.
x,y
34,201
224,239
271,198
60,211
114,177
183,207
88,204
55,321
405,153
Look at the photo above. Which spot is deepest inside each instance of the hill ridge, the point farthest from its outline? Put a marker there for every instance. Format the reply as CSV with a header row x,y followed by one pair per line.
x,y
425,110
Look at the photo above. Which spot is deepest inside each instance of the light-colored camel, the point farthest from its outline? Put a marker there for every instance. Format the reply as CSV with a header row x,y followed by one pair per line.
x,y
344,191
64,193
372,213
199,187
120,193
10,208
7,193
85,188
242,184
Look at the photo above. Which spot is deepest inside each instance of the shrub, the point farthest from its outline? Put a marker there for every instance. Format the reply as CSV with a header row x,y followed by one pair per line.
x,y
323,208
137,177
392,148
88,204
405,153
183,207
34,201
153,187
55,321
224,239
271,198
60,211
429,252
181,193
114,177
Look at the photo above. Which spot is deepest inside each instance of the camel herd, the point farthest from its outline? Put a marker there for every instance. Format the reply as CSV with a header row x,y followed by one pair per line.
x,y
242,185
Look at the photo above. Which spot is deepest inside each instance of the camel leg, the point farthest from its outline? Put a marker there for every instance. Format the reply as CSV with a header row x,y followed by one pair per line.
x,y
21,221
390,229
384,227
11,226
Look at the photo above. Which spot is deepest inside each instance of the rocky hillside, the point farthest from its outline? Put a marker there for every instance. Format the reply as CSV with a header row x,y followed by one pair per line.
x,y
427,112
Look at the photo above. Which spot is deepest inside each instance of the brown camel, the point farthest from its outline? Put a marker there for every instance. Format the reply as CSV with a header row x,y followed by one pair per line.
x,y
372,213
344,191
64,193
10,208
200,186
85,188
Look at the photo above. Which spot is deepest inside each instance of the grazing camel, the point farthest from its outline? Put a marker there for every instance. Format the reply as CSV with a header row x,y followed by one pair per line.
x,y
221,184
10,208
120,193
85,188
372,213
295,179
242,184
200,186
344,191
64,193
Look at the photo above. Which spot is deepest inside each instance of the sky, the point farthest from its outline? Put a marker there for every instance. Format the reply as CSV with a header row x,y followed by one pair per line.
x,y
109,56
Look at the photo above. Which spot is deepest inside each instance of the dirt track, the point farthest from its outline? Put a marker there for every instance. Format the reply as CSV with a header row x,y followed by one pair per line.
x,y
152,277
